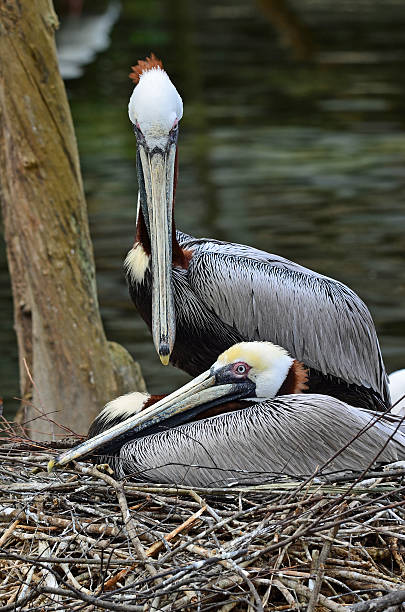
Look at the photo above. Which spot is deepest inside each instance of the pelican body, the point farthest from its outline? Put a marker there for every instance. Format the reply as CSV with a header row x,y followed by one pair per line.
x,y
172,440
200,296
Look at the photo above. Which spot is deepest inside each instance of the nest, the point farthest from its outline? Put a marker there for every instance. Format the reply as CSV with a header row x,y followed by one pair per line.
x,y
80,540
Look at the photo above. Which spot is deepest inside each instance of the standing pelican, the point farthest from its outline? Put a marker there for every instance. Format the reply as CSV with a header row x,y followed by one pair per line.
x,y
200,296
292,434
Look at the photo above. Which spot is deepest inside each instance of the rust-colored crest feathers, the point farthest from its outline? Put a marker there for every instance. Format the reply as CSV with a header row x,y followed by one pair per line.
x,y
143,66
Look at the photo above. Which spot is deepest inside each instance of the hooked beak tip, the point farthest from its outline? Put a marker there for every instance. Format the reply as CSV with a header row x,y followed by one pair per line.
x,y
164,353
165,359
164,350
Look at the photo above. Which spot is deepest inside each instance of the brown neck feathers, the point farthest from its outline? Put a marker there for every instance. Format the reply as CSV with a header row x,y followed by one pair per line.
x,y
296,380
142,236
152,400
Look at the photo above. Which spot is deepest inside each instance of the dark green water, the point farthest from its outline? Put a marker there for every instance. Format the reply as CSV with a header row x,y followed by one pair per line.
x,y
293,141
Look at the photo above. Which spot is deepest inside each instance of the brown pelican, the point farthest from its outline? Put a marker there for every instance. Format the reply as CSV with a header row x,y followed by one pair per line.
x,y
268,434
200,296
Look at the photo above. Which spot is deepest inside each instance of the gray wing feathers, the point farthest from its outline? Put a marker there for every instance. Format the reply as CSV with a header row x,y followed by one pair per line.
x,y
290,435
318,320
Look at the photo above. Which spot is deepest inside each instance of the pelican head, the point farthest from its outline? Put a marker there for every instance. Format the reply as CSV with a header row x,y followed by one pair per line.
x,y
264,365
155,109
254,370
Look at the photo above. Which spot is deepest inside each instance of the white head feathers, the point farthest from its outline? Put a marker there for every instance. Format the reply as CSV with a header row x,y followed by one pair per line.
x,y
155,106
269,364
123,407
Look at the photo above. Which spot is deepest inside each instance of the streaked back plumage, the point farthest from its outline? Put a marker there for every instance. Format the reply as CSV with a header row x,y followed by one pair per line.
x,y
292,434
232,293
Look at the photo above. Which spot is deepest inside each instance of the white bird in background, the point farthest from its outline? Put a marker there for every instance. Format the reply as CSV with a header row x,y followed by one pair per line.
x,y
81,37
397,390
263,426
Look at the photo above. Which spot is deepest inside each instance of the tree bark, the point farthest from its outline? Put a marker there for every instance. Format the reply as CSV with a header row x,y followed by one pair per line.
x,y
61,341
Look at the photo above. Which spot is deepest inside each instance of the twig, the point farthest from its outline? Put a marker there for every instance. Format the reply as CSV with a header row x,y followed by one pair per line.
x,y
306,592
381,603
8,532
185,526
128,522
396,554
321,569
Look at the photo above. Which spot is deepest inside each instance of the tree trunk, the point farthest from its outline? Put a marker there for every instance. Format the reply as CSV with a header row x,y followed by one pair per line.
x,y
68,370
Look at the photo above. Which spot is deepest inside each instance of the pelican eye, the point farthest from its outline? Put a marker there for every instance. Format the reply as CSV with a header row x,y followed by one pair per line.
x,y
241,368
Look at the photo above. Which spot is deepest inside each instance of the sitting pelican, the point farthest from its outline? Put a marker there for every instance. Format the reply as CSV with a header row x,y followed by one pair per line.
x,y
272,428
201,296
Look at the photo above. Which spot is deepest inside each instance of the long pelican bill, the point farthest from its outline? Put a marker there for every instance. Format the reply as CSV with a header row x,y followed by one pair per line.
x,y
158,170
200,391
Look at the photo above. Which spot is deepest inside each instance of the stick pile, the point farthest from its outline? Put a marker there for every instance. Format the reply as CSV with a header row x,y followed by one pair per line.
x,y
80,540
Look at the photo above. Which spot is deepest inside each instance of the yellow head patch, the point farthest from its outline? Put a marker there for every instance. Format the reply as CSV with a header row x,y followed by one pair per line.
x,y
259,355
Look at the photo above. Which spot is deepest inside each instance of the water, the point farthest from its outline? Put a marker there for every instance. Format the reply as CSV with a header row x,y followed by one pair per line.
x,y
292,141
